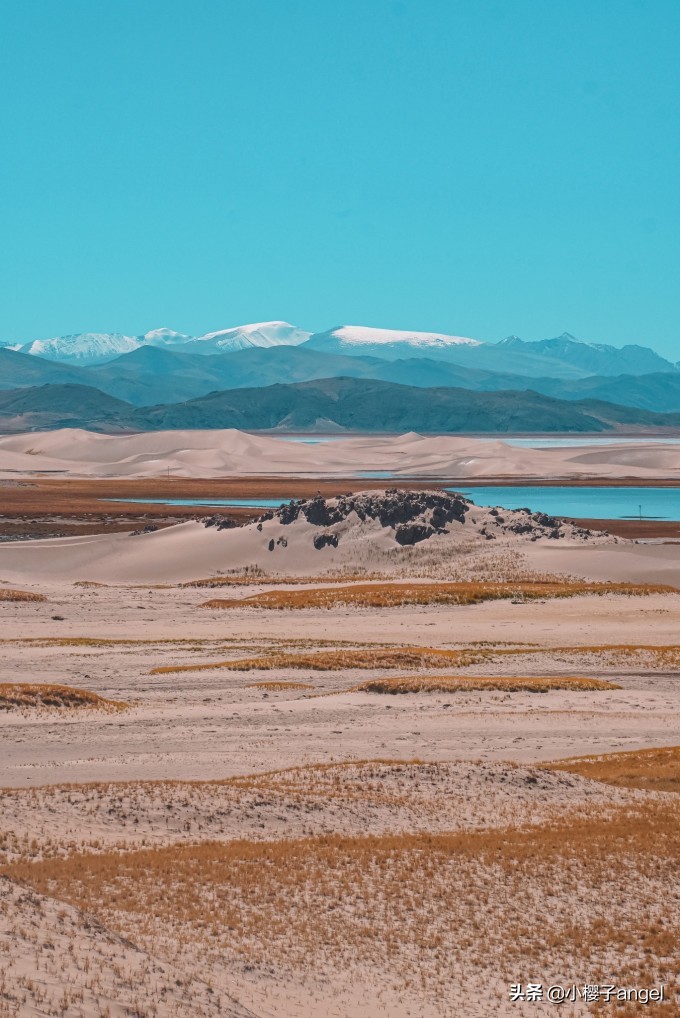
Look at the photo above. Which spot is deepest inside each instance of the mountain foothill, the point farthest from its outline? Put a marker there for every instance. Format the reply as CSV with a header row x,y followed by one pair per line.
x,y
273,376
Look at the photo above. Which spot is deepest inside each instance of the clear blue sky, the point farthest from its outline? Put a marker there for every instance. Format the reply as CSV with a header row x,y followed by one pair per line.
x,y
482,167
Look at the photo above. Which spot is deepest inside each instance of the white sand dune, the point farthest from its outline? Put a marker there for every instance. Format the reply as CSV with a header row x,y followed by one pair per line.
x,y
191,550
229,452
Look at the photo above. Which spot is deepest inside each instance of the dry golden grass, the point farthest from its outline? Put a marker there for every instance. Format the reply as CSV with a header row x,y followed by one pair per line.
x,y
336,660
393,595
18,695
266,579
279,686
590,898
470,683
656,770
7,594
645,656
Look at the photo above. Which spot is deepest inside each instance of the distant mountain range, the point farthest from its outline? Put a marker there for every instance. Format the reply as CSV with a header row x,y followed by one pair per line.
x,y
564,357
326,405
150,375
88,348
451,383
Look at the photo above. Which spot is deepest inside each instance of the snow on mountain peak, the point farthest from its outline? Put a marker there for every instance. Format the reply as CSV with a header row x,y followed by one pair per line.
x,y
359,334
261,334
165,337
82,348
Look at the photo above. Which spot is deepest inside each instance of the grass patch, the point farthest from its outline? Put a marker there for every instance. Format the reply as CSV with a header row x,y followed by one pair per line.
x,y
279,686
394,595
425,906
476,683
656,770
380,656
7,594
248,579
18,695
337,660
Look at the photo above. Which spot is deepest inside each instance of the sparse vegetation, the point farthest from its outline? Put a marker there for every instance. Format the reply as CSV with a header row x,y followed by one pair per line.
x,y
337,660
7,594
435,905
19,695
394,595
470,683
267,579
279,686
656,770
386,657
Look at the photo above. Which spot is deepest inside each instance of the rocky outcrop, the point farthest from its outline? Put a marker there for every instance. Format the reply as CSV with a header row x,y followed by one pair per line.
x,y
412,517
390,507
326,541
413,533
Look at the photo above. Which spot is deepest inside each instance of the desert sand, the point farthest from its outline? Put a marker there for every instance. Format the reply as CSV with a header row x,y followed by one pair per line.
x,y
239,830
79,453
97,782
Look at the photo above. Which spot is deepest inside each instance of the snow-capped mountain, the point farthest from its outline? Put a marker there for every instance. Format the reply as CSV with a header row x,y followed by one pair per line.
x,y
164,337
243,337
83,348
563,357
86,349
389,344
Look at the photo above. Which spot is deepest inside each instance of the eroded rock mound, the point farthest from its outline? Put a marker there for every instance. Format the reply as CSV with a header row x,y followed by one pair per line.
x,y
409,517
391,508
325,541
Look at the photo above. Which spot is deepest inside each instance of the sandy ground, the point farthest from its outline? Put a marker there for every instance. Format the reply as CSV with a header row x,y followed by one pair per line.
x,y
189,551
205,761
213,724
234,453
183,731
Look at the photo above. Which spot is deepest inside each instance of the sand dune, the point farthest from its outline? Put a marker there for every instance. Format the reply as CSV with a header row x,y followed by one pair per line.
x,y
324,535
235,453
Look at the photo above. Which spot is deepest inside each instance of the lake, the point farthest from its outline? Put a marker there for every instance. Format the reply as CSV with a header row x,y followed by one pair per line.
x,y
247,503
575,441
586,503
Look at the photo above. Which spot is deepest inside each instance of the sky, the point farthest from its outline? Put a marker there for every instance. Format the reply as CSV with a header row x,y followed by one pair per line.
x,y
478,168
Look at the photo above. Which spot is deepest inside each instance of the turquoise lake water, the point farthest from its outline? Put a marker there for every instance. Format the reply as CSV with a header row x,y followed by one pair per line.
x,y
248,503
588,503
563,442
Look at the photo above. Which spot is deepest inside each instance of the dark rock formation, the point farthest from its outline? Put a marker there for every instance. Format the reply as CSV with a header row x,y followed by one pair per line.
x,y
413,516
219,522
326,540
391,508
412,533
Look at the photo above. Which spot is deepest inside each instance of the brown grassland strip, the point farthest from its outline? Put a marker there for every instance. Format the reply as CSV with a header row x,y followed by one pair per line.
x,y
334,660
279,686
592,899
18,695
267,579
470,683
656,770
393,595
186,643
380,656
7,594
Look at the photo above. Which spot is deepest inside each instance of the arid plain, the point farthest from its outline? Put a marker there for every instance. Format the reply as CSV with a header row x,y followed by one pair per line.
x,y
381,754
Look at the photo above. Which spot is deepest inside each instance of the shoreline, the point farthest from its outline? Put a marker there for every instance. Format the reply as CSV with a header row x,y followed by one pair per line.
x,y
51,507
